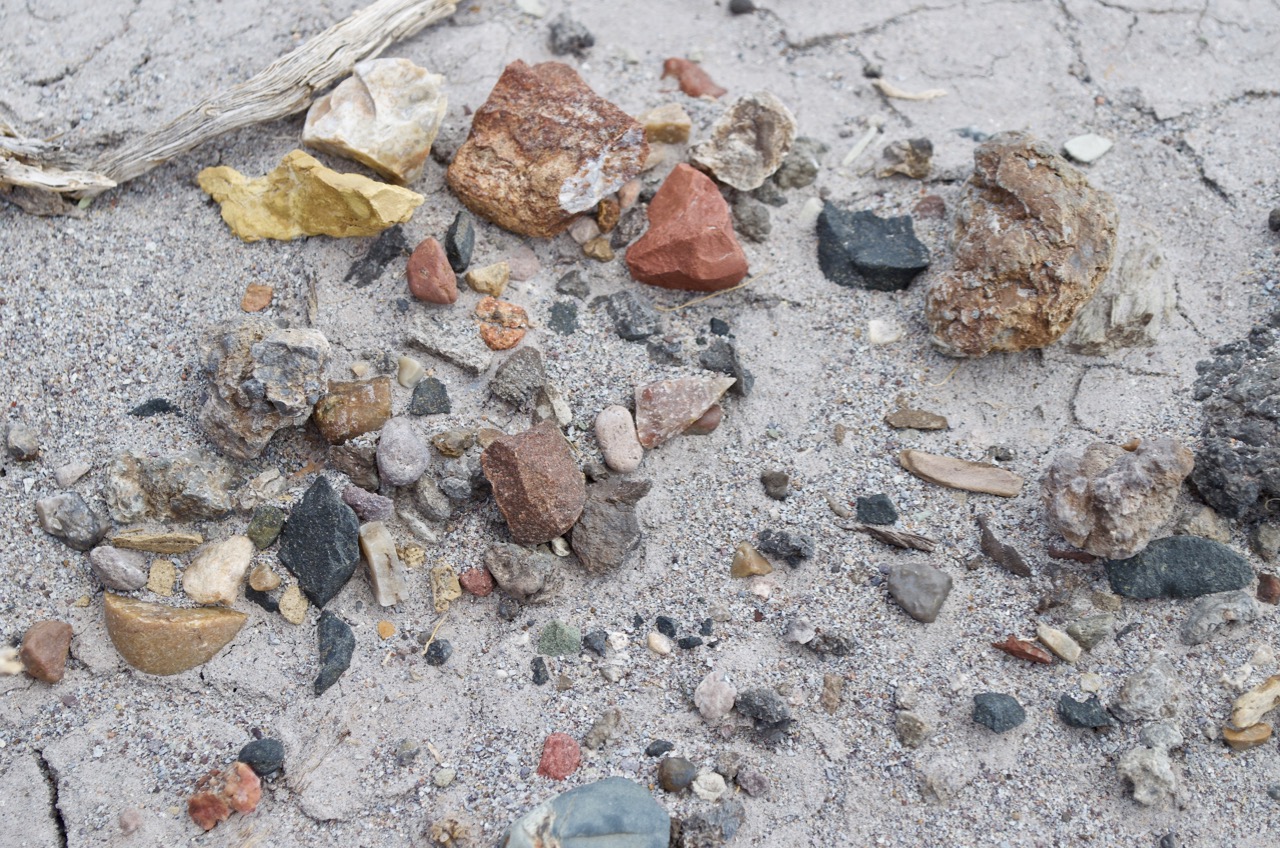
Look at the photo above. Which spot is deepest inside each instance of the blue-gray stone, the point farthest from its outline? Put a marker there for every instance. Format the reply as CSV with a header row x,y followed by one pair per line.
x,y
997,711
1089,713
610,813
876,509
564,317
1179,567
863,249
337,644
320,543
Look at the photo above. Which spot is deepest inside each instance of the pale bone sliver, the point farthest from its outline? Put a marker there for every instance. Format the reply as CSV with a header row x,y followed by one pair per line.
x,y
961,474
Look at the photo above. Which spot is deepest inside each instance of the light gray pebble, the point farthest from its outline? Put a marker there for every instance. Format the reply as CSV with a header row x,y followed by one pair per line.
x,y
403,456
123,571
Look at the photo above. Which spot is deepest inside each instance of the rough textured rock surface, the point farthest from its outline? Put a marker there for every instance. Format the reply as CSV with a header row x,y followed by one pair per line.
x,y
1110,501
690,242
1239,458
610,812
528,576
1131,306
1032,242
608,530
666,408
536,482
44,650
431,277
166,640
543,148
863,249
217,571
353,408
187,485
337,643
1212,613
919,589
68,517
261,379
1179,567
385,115
320,543
748,141
301,197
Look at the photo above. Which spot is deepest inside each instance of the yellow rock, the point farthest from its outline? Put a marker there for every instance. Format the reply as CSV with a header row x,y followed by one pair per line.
x,y
166,640
444,587
411,555
293,605
304,198
1250,737
668,124
386,629
163,574
491,279
157,542
748,562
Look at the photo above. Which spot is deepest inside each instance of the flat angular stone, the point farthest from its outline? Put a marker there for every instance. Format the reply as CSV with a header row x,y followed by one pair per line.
x,y
633,316
961,473
301,197
430,397
1131,307
1023,650
1212,613
909,157
690,243
44,650
156,541
431,277
1250,707
1179,567
1251,737
666,408
385,115
906,418
351,409
543,148
1088,632
998,712
68,517
337,644
608,531
124,571
216,573
919,589
460,241
610,813
863,249
491,279
748,141
1149,693
320,543
667,124
1062,645
164,640
519,378
1086,148
502,324
748,562
536,482
387,576
1089,713
389,246
368,506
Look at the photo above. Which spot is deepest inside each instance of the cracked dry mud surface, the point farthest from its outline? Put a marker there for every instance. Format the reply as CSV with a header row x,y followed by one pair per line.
x,y
101,313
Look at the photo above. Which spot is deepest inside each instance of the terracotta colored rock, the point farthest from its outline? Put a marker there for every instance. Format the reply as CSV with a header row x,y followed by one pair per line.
x,y
693,81
431,278
690,243
256,297
1032,242
707,424
237,788
477,581
44,650
536,482
543,148
208,809
353,408
502,324
165,640
748,142
666,408
1024,650
561,756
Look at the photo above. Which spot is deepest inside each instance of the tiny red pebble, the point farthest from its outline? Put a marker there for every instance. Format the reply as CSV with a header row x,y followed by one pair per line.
x,y
477,581
561,756
1024,650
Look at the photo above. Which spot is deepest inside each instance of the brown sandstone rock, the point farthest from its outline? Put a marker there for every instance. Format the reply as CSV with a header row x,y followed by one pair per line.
x,y
1032,242
543,148
353,408
166,640
690,243
431,279
44,650
536,483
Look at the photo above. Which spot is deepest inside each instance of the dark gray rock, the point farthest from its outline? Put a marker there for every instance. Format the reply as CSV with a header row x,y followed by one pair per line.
x,y
320,543
68,517
711,828
676,774
718,327
658,747
770,194
1089,713
265,756
430,502
596,641
528,576
751,218
997,711
741,7
721,355
574,285
610,813
1179,567
777,484
459,241
564,317
568,36
1003,554
608,530
633,315
1273,220
518,379
919,589
337,644
538,668
387,247
793,547
863,249
666,625
439,651
766,708
152,407
664,350
876,509
430,397
630,227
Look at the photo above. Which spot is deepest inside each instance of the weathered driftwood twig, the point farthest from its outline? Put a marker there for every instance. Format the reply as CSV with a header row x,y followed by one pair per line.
x,y
285,87
899,538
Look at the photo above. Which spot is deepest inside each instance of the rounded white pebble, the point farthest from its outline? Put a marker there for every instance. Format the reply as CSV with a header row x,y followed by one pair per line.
x,y
880,332
659,643
616,434
709,786
410,372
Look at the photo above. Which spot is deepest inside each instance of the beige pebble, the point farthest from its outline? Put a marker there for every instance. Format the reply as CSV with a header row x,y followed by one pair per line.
x,y
411,555
360,369
293,605
1090,682
491,279
1250,707
709,786
386,629
162,576
616,435
584,230
559,546
659,644
410,372
748,562
1062,645
880,332
263,578
215,575
10,665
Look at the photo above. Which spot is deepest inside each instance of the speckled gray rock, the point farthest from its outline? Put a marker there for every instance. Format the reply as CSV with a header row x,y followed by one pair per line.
x,y
431,502
123,571
793,547
1149,693
337,644
1148,767
22,442
633,315
919,589
568,36
68,517
454,340
610,813
1088,713
997,711
800,167
403,455
1212,613
1090,630
528,576
711,827
608,531
751,218
320,543
430,397
603,729
185,485
518,379
368,506
1179,567
767,709
913,731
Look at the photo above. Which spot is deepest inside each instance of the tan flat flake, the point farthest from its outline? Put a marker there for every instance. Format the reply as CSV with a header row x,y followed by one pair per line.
x,y
293,605
1250,737
304,198
386,573
961,474
1250,707
165,640
157,542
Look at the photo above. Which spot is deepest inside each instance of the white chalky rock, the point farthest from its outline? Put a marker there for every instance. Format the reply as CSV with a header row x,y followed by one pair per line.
x,y
215,575
1087,148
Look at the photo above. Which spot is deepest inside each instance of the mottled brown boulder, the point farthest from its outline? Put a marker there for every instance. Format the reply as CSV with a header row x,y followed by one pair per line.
x,y
352,409
536,483
543,148
1111,502
1032,242
167,640
690,243
44,650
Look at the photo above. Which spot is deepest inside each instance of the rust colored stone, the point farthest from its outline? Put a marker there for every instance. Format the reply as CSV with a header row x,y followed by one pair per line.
x,y
256,297
351,409
543,148
1024,650
431,279
1268,588
242,789
561,756
707,424
1032,242
693,81
1075,556
207,810
690,243
44,650
536,483
502,324
236,788
477,581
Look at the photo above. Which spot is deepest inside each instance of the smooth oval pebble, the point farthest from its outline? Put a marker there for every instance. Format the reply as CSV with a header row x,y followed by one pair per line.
x,y
165,640
409,372
659,644
961,473
616,434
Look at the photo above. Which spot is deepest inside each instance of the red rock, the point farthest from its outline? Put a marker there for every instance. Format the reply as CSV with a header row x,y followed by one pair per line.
x,y
561,756
536,482
44,650
707,424
690,243
477,581
242,790
543,148
207,809
1024,650
694,81
236,788
1268,588
431,279
502,324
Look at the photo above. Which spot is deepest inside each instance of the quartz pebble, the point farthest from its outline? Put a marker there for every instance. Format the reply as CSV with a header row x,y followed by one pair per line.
x,y
714,696
747,562
1086,148
387,576
658,643
409,371
44,650
216,572
165,640
1062,645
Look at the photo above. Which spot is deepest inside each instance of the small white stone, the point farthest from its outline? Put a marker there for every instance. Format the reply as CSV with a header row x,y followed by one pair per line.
x,y
808,217
68,474
1062,645
1087,148
709,786
559,546
410,372
617,640
387,577
9,662
534,8
1237,679
1263,656
1090,682
659,643
881,332
761,587
616,435
611,673
714,696
583,230
215,575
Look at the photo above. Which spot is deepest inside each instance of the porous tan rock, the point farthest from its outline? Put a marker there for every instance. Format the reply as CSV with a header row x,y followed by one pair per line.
x,y
491,279
543,148
351,409
166,640
44,650
1032,242
748,141
1250,707
535,481
667,124
1111,502
215,574
386,115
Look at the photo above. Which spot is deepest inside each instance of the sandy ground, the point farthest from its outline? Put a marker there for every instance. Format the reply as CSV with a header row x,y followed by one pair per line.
x,y
101,313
